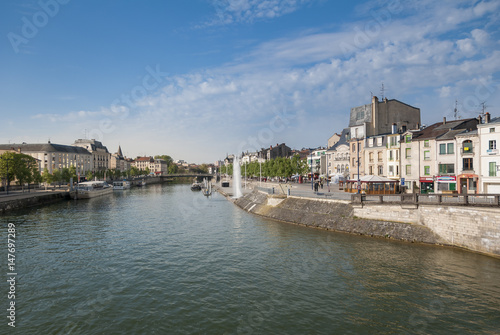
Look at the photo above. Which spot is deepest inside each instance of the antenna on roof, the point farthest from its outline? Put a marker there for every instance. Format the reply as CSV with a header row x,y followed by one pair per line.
x,y
382,91
483,107
456,113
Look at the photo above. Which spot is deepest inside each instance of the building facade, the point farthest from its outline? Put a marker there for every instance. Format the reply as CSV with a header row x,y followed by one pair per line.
x,y
53,156
489,137
100,155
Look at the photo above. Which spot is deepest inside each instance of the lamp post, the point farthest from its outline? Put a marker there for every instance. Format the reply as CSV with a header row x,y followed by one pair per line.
x,y
359,180
260,178
312,176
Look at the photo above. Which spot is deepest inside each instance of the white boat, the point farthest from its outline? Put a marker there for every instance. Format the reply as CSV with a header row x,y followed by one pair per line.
x,y
121,185
92,189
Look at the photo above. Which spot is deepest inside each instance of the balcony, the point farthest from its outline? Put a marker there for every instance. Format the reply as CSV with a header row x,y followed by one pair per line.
x,y
467,151
492,151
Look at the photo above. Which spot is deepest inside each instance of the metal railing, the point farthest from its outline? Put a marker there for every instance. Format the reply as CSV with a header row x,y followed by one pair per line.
x,y
429,199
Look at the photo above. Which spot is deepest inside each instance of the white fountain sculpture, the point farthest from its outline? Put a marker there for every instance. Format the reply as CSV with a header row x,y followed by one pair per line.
x,y
236,178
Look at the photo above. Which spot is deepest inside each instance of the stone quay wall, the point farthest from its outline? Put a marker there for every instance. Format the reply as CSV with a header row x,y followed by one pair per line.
x,y
336,215
34,200
474,228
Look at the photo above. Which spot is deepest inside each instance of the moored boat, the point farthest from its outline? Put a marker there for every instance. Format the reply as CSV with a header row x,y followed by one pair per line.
x,y
121,185
195,187
92,189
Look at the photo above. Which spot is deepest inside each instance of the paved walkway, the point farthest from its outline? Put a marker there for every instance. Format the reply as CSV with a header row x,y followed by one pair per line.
x,y
298,190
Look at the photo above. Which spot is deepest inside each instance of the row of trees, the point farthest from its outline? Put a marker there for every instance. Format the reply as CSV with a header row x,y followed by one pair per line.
x,y
20,167
279,167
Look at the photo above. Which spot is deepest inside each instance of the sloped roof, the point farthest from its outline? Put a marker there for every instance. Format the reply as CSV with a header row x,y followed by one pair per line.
x,y
342,140
439,129
45,147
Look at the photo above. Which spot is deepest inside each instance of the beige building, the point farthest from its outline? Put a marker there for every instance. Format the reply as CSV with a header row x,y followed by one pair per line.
x,y
338,156
53,156
333,139
155,166
100,155
375,155
117,161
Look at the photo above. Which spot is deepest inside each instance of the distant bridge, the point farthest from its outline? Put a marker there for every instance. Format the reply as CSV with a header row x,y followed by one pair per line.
x,y
197,175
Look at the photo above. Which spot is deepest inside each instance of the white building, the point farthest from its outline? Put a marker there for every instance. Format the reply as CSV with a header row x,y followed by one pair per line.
x,y
52,156
489,137
100,155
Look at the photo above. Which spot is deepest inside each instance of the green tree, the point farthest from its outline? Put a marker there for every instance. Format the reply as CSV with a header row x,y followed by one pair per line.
x,y
147,171
65,175
72,173
57,176
47,178
173,169
89,175
134,171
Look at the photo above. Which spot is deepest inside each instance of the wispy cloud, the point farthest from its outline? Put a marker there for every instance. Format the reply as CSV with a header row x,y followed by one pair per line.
x,y
248,11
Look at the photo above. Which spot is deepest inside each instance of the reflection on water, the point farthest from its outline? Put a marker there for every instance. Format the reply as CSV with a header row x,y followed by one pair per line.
x,y
164,259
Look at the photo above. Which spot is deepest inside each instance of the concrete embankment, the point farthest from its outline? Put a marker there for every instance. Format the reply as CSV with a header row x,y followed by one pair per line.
x,y
336,215
30,200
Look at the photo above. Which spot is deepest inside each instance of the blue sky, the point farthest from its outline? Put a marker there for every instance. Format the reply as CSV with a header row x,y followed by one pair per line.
x,y
197,79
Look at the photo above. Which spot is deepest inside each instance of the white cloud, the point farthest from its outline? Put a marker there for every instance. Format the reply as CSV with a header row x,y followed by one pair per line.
x,y
248,11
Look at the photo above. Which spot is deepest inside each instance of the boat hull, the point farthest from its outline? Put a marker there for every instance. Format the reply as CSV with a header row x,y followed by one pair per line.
x,y
83,194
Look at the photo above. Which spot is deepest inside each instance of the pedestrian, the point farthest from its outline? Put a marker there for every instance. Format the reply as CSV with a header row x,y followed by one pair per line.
x,y
321,183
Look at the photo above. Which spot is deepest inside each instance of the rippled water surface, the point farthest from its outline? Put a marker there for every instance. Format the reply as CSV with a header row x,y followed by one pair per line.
x,y
166,260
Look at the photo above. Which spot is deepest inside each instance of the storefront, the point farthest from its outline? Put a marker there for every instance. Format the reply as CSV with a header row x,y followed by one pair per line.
x,y
467,183
372,185
446,184
426,185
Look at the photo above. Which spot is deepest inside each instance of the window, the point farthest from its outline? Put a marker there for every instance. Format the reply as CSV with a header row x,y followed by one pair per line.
x,y
353,147
492,144
493,169
427,155
397,155
492,130
353,162
380,170
391,170
442,149
467,163
408,153
451,148
379,156
446,168
408,170
408,138
371,157
426,143
467,146
391,158
371,170
427,170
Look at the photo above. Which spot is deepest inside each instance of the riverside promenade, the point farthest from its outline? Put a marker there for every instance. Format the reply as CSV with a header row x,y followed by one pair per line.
x,y
303,190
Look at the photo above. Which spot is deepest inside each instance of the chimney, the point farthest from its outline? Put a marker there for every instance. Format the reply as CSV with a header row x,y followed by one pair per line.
x,y
394,129
444,120
480,119
487,117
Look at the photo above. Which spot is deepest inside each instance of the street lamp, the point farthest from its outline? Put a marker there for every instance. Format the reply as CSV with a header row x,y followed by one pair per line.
x,y
312,176
359,180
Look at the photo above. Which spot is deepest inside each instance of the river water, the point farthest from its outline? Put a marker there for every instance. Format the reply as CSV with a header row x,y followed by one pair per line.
x,y
166,260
